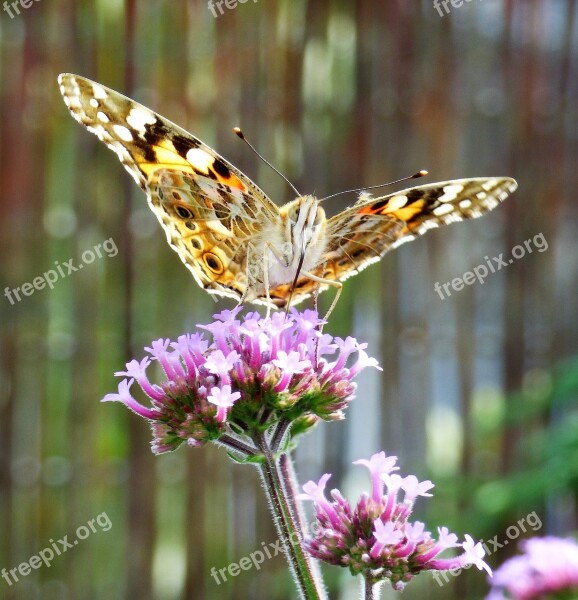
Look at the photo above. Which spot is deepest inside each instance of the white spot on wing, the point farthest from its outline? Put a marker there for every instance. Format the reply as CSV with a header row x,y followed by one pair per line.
x,y
123,133
99,91
489,185
442,209
93,102
450,192
199,159
102,117
396,202
138,118
465,203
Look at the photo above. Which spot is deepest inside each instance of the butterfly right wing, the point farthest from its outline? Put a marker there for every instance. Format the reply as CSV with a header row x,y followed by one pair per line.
x,y
362,234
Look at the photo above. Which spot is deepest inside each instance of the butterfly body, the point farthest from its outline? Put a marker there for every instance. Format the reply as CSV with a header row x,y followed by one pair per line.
x,y
235,241
304,240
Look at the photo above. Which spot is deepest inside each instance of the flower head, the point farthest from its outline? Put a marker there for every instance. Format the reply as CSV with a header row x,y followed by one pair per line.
x,y
376,535
548,568
244,375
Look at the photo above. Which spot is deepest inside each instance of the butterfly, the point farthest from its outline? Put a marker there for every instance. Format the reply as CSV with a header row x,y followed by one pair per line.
x,y
232,237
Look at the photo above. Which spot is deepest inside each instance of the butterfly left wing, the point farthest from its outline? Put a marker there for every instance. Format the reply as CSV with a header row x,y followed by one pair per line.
x,y
211,212
363,233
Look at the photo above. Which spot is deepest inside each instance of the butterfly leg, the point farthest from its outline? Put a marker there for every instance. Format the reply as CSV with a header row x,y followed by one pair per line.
x,y
249,268
336,284
266,278
283,260
253,272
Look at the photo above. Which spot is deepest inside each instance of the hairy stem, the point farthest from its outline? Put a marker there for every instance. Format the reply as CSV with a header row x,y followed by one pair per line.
x,y
309,586
369,589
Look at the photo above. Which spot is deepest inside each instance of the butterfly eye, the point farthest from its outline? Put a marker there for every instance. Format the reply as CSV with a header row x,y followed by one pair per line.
x,y
183,212
293,213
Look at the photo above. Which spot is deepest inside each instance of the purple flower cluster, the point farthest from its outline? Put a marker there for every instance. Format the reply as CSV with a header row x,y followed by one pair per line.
x,y
243,377
548,569
376,536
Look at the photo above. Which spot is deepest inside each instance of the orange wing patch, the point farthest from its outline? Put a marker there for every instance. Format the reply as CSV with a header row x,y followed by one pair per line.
x,y
201,162
212,166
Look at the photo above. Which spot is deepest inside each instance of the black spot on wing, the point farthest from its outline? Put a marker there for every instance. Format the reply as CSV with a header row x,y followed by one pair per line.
x,y
220,168
146,149
183,212
183,144
156,132
379,205
413,196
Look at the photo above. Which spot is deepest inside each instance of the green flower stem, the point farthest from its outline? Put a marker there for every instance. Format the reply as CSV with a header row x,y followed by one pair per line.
x,y
309,586
291,484
290,480
237,445
369,589
279,434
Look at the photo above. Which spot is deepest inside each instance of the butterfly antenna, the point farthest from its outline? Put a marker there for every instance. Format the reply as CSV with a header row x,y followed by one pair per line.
x,y
421,173
238,131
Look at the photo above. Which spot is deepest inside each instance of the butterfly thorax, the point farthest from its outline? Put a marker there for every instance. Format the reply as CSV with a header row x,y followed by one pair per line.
x,y
297,242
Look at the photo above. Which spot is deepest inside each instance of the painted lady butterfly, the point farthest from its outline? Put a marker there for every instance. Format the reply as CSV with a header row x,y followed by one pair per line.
x,y
231,236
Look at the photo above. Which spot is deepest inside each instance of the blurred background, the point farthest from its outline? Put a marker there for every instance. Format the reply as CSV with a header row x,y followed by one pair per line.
x,y
479,389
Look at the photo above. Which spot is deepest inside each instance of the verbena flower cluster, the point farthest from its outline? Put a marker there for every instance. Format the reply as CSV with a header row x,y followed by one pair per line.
x,y
376,535
547,570
242,376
